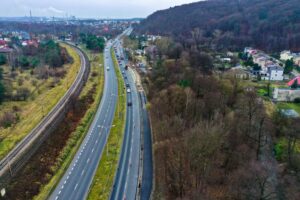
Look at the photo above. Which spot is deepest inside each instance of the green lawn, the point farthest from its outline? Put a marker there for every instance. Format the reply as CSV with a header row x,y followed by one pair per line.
x,y
103,180
295,106
281,147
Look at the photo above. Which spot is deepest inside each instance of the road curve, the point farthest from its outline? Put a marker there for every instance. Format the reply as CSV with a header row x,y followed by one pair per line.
x,y
26,147
77,179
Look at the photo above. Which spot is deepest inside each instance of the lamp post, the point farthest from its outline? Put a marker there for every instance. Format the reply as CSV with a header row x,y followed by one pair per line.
x,y
107,133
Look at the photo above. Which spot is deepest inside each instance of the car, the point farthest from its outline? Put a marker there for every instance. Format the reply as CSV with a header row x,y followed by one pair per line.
x,y
123,72
129,103
128,90
107,68
127,85
125,77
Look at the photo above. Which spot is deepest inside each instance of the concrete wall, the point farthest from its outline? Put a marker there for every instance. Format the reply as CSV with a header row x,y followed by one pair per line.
x,y
285,94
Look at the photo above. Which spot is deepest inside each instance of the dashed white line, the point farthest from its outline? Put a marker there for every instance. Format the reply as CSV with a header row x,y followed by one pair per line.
x,y
76,186
88,160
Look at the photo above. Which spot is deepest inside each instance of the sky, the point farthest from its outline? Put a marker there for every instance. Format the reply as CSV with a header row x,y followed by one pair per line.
x,y
86,8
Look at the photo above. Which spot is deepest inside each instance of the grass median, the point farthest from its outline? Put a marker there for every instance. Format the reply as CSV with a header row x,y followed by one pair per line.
x,y
104,178
94,83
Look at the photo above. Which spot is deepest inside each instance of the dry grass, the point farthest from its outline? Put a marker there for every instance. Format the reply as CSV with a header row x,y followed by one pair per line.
x,y
34,109
77,136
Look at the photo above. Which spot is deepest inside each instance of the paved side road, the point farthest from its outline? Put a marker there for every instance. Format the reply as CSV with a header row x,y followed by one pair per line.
x,y
147,174
76,182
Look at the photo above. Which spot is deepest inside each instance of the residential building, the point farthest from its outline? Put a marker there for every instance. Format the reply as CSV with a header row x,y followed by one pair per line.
x,y
286,55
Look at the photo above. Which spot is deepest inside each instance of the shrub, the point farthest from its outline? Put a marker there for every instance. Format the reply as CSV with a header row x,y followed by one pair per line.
x,y
297,100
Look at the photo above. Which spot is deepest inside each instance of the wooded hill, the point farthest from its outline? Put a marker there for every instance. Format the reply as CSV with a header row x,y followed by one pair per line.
x,y
271,25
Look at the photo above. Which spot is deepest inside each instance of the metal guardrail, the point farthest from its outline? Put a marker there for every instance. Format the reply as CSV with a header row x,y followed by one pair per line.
x,y
17,157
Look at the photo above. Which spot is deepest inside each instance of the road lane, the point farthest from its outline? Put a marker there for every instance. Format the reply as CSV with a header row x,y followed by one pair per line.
x,y
126,181
77,179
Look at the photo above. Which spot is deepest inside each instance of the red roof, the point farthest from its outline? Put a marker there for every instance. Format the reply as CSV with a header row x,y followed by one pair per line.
x,y
291,82
2,42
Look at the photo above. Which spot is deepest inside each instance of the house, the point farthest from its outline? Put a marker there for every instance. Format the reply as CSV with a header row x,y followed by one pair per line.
x,y
275,73
226,59
296,60
286,55
2,44
288,94
239,73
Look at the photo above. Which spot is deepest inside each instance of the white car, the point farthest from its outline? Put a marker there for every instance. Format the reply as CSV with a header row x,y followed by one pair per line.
x,y
107,68
128,90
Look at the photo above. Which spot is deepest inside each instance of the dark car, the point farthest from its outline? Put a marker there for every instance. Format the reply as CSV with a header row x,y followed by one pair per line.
x,y
129,103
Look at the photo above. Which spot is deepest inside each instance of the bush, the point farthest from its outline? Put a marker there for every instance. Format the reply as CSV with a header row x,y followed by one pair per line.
x,y
22,94
7,120
2,59
297,100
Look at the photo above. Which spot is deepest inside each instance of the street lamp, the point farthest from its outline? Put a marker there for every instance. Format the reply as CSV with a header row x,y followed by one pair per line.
x,y
107,133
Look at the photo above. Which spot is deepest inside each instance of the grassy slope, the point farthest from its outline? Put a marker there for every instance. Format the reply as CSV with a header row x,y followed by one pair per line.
x,y
76,138
103,180
33,110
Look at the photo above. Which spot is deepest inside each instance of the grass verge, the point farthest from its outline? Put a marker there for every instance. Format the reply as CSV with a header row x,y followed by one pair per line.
x,y
33,110
66,155
104,178
294,106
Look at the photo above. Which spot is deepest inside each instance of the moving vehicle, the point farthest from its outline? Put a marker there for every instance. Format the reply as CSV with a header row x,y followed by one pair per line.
x,y
128,90
107,68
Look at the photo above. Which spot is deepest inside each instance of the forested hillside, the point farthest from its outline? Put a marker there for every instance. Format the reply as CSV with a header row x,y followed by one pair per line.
x,y
271,25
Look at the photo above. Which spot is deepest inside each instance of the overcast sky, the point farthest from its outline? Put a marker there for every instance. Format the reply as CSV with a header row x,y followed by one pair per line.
x,y
86,8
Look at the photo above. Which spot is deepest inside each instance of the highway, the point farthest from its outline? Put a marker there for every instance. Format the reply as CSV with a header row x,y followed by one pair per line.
x,y
77,179
126,179
24,149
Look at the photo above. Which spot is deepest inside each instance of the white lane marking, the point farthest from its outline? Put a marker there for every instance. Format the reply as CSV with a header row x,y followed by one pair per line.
x,y
56,197
65,182
67,177
92,150
75,186
88,160
96,141
59,192
82,172
72,168
62,187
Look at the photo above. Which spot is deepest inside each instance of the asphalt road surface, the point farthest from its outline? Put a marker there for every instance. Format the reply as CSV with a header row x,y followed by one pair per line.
x,y
126,180
76,182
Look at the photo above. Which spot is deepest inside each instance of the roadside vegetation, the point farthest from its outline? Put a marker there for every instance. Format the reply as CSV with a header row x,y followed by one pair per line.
x,y
44,170
216,136
104,178
29,94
